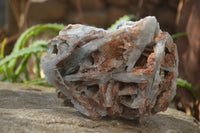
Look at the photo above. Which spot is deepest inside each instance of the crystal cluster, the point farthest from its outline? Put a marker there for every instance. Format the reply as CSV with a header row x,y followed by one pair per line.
x,y
129,72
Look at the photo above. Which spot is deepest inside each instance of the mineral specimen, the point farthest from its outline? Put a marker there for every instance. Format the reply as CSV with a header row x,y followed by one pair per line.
x,y
129,72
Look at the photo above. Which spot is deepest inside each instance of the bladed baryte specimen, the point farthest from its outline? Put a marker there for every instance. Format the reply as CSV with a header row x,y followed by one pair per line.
x,y
129,72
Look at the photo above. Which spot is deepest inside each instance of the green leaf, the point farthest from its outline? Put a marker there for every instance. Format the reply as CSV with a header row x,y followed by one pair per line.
x,y
37,62
26,74
7,71
189,88
8,64
32,32
3,47
39,81
22,66
25,59
124,18
23,52
174,36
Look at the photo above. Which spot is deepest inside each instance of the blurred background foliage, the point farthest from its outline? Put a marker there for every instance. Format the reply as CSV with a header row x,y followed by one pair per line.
x,y
22,46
